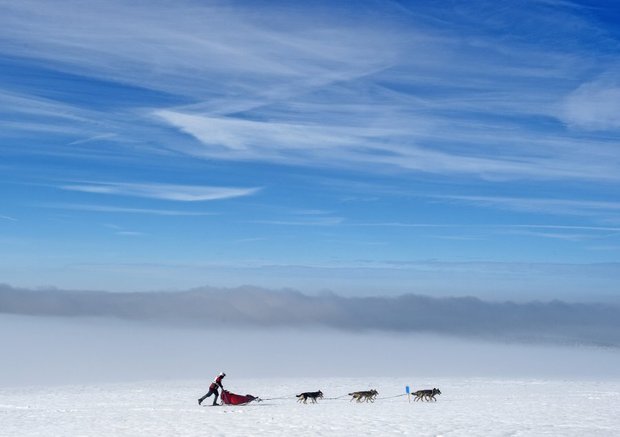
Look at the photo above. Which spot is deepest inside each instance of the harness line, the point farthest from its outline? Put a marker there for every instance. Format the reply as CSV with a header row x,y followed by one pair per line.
x,y
330,399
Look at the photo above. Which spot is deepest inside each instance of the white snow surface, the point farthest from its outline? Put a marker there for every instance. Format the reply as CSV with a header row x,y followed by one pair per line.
x,y
466,407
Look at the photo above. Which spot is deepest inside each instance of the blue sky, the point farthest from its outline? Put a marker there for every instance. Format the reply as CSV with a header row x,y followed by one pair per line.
x,y
441,148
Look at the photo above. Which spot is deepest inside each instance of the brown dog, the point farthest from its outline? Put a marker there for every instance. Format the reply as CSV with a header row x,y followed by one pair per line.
x,y
426,395
364,396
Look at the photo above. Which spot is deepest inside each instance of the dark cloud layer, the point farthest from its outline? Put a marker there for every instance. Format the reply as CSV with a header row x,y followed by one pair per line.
x,y
555,321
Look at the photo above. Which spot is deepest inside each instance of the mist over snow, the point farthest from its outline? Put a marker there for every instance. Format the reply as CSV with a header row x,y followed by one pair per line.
x,y
53,336
247,307
52,350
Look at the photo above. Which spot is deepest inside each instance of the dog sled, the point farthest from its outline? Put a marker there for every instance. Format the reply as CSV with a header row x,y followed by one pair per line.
x,y
229,398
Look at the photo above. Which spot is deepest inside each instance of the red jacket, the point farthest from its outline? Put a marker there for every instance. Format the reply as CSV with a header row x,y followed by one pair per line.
x,y
217,383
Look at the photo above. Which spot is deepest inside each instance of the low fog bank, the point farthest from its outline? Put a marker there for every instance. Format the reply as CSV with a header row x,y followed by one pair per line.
x,y
50,351
467,317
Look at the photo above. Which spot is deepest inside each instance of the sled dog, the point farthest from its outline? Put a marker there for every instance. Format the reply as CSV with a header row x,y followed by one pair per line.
x,y
364,396
312,395
426,395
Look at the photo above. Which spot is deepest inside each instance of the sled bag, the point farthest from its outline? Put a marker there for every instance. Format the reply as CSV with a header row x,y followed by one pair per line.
x,y
229,398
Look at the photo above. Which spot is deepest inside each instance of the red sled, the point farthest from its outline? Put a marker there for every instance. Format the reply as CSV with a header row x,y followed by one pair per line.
x,y
229,398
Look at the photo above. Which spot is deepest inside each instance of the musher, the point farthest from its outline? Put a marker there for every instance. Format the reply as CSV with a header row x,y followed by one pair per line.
x,y
213,389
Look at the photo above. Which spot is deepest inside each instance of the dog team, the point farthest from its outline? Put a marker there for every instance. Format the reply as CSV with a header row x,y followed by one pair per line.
x,y
368,396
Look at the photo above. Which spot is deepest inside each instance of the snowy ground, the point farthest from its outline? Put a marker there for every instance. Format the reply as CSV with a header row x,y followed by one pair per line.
x,y
484,407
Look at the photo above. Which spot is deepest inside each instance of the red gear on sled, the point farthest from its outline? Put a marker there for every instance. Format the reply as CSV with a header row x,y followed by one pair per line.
x,y
229,398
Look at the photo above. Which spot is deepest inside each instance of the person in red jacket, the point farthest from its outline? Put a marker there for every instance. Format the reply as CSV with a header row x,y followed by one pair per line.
x,y
217,382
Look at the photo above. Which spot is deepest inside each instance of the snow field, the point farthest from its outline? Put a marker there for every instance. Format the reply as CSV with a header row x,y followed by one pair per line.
x,y
484,407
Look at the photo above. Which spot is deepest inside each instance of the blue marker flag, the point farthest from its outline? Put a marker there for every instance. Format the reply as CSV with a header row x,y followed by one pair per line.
x,y
407,389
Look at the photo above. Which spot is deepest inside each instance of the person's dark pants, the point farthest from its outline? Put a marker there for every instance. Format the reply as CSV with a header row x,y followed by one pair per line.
x,y
212,391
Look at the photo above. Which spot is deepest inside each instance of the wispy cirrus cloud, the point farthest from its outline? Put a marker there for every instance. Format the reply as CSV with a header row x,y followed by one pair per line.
x,y
385,146
310,221
183,193
594,105
388,127
374,91
65,129
178,41
122,210
468,231
130,233
544,205
302,217
6,217
23,104
568,227
566,236
328,144
93,138
25,115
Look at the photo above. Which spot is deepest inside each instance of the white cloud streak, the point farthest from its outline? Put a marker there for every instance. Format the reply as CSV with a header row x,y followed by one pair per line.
x,y
183,193
349,143
548,231
123,210
490,225
542,205
594,105
318,221
130,233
